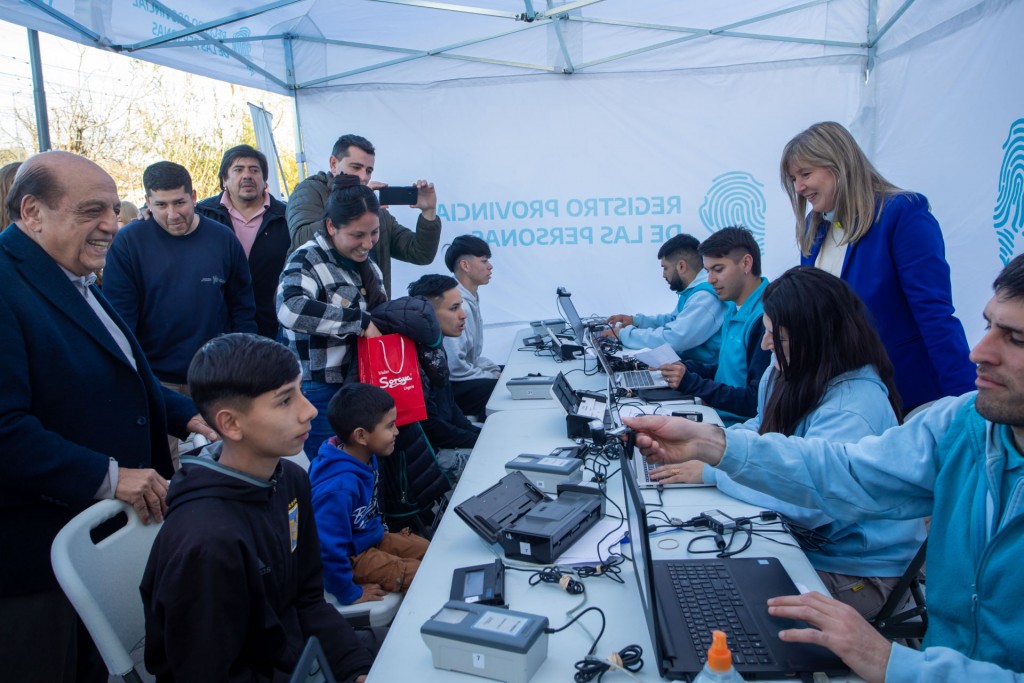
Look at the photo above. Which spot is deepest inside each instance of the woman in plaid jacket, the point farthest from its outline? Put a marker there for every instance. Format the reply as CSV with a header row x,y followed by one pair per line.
x,y
327,288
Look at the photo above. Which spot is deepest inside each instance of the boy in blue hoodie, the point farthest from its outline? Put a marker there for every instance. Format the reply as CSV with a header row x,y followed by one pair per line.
x,y
362,560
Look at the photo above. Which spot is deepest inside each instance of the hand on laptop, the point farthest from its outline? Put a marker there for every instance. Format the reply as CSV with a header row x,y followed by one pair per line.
x,y
842,630
680,473
666,440
673,373
619,320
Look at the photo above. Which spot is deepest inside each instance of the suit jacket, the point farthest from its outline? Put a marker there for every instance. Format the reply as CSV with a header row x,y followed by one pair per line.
x,y
69,402
899,269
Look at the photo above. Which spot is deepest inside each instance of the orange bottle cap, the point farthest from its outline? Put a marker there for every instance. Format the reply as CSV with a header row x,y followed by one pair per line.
x,y
719,656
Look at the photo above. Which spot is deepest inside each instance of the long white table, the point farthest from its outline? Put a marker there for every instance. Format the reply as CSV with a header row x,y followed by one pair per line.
x,y
581,373
505,435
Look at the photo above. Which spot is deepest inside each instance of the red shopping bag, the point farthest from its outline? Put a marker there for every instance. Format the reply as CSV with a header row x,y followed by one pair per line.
x,y
389,362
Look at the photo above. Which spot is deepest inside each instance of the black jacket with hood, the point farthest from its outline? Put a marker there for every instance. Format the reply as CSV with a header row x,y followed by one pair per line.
x,y
234,587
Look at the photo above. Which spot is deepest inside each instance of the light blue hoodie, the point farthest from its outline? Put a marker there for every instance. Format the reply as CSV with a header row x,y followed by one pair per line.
x,y
949,462
855,405
693,329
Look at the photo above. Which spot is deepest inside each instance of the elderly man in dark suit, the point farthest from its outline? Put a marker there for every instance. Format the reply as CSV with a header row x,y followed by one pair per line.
x,y
81,415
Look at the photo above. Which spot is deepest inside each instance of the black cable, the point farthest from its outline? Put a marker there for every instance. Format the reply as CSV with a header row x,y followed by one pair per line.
x,y
630,658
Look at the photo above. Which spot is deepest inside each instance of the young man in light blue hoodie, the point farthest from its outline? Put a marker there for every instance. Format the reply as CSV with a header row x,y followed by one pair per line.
x,y
959,460
693,328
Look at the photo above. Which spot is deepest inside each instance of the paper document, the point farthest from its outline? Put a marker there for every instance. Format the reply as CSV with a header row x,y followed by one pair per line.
x,y
584,551
662,355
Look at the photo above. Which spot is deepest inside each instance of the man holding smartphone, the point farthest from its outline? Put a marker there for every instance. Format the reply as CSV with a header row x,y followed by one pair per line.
x,y
354,155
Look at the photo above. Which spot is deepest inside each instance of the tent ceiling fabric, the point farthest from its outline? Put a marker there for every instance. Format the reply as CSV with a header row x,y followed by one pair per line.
x,y
290,45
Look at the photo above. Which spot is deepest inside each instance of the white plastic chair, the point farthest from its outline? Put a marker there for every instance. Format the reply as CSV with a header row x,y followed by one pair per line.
x,y
102,580
374,613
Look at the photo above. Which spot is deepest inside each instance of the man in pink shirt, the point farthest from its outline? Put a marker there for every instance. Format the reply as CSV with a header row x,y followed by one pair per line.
x,y
258,220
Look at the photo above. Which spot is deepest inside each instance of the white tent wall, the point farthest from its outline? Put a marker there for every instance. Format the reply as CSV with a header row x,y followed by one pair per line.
x,y
946,102
577,181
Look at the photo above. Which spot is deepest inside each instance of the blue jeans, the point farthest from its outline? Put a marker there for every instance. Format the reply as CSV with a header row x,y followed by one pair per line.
x,y
319,394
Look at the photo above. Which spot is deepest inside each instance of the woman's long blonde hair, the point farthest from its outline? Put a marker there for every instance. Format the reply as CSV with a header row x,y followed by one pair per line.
x,y
859,187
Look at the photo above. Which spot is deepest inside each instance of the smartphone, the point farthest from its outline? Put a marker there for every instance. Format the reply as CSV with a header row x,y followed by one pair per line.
x,y
695,417
399,196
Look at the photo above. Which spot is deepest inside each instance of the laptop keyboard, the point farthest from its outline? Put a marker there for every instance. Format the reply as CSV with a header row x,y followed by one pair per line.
x,y
636,379
710,601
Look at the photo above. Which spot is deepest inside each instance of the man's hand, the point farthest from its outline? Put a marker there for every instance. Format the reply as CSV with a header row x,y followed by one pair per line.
x,y
840,629
666,440
372,592
198,425
426,199
371,331
144,490
681,473
673,373
620,319
376,185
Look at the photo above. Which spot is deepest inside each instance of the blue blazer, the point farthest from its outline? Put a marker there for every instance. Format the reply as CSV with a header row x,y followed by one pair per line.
x,y
899,269
69,401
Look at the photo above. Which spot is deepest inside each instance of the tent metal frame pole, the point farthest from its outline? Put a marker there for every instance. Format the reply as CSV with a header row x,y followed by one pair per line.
x,y
215,23
893,19
45,8
38,91
872,33
557,27
210,40
300,154
449,7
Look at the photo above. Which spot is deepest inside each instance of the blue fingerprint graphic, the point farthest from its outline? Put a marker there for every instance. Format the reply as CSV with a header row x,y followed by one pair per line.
x,y
735,198
1008,217
244,49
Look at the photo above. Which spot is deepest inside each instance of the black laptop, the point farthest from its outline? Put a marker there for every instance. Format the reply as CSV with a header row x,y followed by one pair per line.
x,y
684,600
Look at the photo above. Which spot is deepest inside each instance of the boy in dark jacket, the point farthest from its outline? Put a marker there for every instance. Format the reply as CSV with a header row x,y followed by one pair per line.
x,y
363,561
233,587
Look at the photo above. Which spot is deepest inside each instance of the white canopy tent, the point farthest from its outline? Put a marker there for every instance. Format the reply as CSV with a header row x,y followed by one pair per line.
x,y
577,135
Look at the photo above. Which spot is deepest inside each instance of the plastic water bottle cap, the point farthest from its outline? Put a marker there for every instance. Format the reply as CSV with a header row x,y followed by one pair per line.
x,y
719,656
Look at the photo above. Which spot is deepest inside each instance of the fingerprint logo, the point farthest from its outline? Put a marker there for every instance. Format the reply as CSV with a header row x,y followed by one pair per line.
x,y
1008,217
244,49
735,198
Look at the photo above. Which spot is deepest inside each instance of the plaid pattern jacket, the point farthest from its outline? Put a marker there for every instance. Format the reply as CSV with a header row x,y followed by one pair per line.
x,y
321,307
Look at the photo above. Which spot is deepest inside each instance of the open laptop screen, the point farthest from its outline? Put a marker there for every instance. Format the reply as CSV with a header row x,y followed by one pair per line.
x,y
565,301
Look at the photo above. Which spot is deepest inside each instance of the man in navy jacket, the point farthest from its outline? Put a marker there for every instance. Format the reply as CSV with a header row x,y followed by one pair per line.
x,y
258,220
81,415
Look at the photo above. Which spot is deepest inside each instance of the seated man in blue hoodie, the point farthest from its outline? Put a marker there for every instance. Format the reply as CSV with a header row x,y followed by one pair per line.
x,y
693,329
959,461
363,561
729,383
234,585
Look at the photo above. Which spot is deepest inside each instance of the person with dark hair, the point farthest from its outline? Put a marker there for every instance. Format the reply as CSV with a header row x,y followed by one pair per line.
x,y
258,220
82,417
885,242
327,289
233,587
733,261
355,155
830,379
178,279
473,375
7,174
693,329
958,460
363,561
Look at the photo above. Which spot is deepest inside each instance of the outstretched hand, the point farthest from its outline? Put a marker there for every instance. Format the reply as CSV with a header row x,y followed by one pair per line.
x,y
838,627
664,440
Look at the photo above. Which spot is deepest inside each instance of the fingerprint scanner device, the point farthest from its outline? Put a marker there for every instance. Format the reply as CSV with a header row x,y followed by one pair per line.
x,y
533,386
569,452
556,325
527,525
485,641
581,407
563,349
547,471
483,584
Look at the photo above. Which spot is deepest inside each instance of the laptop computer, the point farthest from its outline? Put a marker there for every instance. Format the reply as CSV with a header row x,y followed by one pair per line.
x,y
630,380
684,600
573,318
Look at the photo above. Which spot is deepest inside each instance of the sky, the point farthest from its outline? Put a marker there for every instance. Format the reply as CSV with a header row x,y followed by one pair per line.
x,y
67,64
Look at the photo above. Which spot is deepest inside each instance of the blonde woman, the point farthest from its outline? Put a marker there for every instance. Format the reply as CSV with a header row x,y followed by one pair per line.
x,y
7,174
886,244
